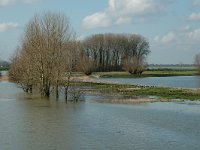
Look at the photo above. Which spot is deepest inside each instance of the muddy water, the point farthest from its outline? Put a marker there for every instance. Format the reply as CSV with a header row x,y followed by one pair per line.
x,y
34,123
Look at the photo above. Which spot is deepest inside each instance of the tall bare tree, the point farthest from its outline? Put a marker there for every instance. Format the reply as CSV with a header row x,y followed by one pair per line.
x,y
85,62
137,50
44,51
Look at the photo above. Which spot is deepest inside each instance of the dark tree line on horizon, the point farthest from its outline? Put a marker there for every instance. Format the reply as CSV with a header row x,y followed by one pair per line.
x,y
49,53
114,52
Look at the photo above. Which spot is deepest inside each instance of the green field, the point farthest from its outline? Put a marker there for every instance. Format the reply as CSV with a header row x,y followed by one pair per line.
x,y
172,67
152,73
4,68
132,91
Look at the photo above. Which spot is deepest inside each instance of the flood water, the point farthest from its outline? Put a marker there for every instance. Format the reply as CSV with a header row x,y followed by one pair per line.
x,y
175,81
28,123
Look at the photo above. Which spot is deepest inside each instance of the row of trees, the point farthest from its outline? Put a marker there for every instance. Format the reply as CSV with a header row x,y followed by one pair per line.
x,y
49,52
114,52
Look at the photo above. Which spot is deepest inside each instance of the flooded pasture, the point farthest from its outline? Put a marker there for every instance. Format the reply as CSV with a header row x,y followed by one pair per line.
x,y
34,123
175,81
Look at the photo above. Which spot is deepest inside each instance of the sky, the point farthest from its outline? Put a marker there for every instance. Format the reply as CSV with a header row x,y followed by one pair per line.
x,y
172,27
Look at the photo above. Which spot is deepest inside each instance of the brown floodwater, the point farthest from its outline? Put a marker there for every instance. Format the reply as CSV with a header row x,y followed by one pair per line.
x,y
31,123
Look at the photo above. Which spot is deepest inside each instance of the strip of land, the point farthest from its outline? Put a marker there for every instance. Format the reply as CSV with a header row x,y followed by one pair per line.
x,y
123,93
4,78
137,93
151,73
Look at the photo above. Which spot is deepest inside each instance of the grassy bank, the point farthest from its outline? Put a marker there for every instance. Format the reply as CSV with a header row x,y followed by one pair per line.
x,y
133,91
4,68
153,73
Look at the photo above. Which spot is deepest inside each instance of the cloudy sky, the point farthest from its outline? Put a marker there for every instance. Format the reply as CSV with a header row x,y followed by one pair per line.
x,y
171,26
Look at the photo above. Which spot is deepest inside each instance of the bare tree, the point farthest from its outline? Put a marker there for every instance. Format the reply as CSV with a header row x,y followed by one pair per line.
x,y
85,63
71,54
134,65
114,52
45,48
21,71
134,58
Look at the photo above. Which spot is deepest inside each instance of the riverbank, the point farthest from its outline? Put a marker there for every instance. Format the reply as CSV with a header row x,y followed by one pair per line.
x,y
137,93
4,78
131,94
4,75
150,73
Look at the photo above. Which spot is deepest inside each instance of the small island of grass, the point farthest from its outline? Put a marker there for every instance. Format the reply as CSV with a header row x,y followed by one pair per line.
x,y
136,93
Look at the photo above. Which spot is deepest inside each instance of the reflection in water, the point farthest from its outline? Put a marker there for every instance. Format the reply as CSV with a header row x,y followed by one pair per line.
x,y
4,73
28,123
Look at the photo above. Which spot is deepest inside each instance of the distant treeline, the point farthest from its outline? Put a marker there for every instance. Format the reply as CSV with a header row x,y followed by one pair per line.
x,y
174,67
113,52
4,65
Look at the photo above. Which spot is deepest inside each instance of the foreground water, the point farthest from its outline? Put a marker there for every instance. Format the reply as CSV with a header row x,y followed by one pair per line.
x,y
175,81
27,123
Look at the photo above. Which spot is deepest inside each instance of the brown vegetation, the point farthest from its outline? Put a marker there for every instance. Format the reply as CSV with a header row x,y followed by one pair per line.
x,y
48,53
45,54
114,52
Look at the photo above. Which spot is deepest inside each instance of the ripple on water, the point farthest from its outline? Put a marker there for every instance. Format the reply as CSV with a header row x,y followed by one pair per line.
x,y
42,124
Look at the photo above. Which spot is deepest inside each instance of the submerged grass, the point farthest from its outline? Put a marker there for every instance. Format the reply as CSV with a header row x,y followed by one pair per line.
x,y
144,91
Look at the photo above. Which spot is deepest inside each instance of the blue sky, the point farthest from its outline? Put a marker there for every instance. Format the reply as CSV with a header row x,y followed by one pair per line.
x,y
171,26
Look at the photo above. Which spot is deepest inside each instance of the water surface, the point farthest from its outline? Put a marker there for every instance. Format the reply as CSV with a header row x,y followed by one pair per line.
x,y
175,81
28,123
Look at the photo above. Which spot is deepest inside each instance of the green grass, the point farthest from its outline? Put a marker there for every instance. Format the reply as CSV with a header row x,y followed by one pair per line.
x,y
155,73
173,67
139,91
4,68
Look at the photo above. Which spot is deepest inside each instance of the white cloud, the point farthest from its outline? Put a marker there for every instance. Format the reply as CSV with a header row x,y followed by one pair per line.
x,y
183,36
30,1
99,19
129,7
187,27
6,2
166,39
124,11
9,2
194,35
194,17
123,20
7,26
196,2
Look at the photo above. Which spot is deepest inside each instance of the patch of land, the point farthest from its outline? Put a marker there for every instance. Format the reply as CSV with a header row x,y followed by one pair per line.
x,y
4,78
150,73
137,93
130,94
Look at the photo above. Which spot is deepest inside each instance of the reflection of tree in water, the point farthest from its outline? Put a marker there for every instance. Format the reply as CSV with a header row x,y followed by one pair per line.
x,y
198,80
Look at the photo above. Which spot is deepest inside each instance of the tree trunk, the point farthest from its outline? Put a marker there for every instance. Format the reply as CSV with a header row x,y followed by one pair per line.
x,y
67,87
57,92
66,93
